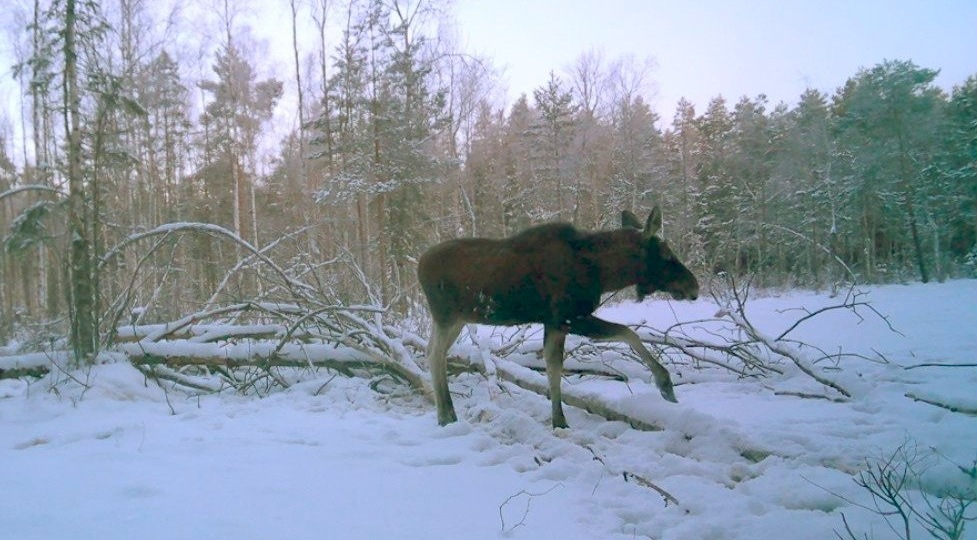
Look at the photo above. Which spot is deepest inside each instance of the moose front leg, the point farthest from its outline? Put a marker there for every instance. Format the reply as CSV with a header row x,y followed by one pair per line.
x,y
553,349
601,330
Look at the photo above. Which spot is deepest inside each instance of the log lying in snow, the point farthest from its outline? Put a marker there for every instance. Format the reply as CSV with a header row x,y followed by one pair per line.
x,y
157,358
595,403
533,381
344,359
202,333
30,365
17,372
347,361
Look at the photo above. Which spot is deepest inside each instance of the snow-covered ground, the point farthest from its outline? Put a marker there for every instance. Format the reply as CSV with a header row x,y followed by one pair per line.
x,y
331,458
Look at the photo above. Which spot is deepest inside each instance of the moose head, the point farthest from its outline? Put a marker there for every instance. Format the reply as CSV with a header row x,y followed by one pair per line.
x,y
660,269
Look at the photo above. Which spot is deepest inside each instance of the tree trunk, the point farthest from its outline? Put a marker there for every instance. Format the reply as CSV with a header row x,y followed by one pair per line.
x,y
82,291
917,244
907,193
913,224
323,67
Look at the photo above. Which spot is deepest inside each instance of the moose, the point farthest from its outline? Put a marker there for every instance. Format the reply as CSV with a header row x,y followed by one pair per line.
x,y
553,274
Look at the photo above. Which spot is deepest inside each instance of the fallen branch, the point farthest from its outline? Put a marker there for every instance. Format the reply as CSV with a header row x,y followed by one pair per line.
x,y
348,339
732,299
528,379
795,356
638,479
724,355
851,303
806,395
939,364
16,373
298,289
341,359
162,372
951,408
182,325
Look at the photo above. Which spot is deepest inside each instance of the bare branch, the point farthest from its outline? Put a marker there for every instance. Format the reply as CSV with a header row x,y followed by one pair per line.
x,y
638,479
951,408
938,364
215,230
850,303
32,187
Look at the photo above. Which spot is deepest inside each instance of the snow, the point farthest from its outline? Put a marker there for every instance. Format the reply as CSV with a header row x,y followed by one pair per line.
x,y
331,458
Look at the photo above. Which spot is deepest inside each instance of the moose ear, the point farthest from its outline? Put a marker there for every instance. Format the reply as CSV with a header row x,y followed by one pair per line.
x,y
630,221
654,223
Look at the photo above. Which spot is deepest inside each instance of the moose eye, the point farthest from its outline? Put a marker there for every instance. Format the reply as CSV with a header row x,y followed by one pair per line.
x,y
665,253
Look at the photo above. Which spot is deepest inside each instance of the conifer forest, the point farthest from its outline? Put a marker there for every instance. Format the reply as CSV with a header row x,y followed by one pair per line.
x,y
141,182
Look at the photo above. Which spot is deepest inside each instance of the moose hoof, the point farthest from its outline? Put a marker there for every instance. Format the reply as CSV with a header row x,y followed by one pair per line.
x,y
447,418
668,394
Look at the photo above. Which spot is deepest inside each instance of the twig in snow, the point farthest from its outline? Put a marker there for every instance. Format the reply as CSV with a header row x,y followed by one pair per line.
x,y
150,373
806,395
850,303
88,373
938,364
734,308
897,485
951,408
525,513
638,479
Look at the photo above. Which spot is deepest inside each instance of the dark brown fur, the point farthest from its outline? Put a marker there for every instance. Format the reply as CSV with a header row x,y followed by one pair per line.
x,y
551,274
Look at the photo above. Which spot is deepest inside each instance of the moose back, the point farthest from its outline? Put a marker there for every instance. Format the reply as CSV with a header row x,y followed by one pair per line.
x,y
551,274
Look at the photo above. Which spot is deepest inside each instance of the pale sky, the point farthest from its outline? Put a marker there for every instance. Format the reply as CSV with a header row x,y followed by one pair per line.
x,y
703,48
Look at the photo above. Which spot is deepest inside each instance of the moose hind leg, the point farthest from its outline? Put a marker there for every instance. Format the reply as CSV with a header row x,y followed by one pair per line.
x,y
601,330
441,340
553,349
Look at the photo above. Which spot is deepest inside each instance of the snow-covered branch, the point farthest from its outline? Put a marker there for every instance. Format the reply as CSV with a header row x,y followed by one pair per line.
x,y
335,337
297,287
31,187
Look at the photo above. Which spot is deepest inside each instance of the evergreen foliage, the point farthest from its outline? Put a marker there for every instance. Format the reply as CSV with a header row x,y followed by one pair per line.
x,y
404,144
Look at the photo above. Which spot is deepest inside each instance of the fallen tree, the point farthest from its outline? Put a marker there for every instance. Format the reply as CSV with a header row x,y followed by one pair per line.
x,y
731,341
297,324
246,346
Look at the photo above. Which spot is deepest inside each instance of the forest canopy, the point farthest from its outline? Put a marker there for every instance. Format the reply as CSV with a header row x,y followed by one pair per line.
x,y
144,191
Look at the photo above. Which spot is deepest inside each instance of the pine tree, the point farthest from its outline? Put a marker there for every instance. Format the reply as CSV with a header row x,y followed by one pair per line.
x,y
813,195
240,105
682,161
754,204
637,175
522,199
553,134
958,172
716,207
888,118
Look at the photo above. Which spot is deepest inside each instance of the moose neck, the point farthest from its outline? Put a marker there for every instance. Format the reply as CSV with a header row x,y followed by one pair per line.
x,y
617,256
